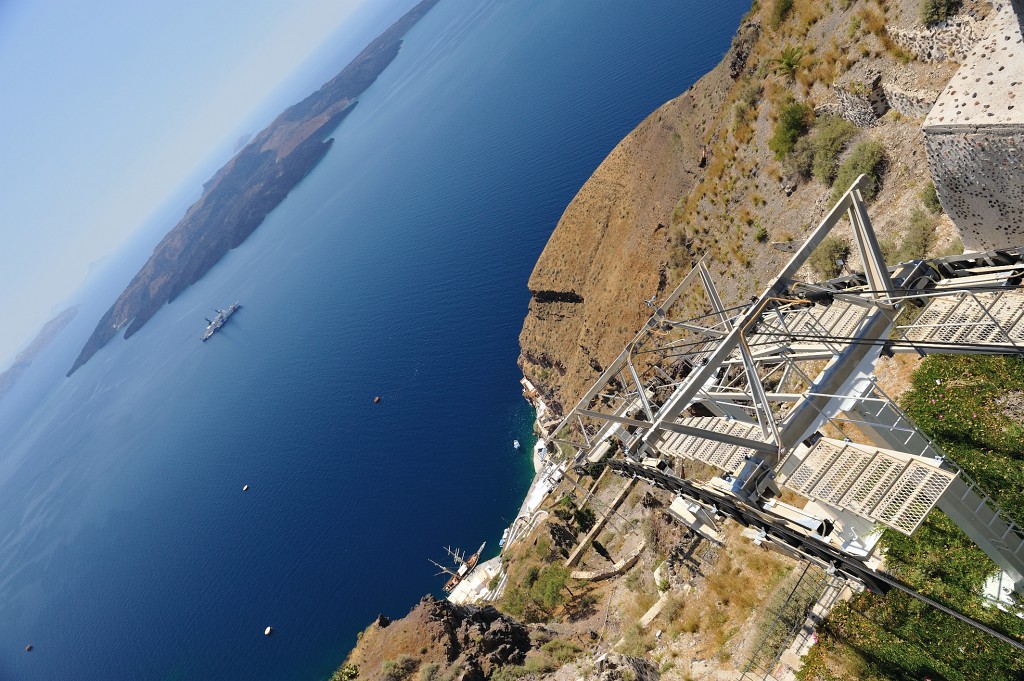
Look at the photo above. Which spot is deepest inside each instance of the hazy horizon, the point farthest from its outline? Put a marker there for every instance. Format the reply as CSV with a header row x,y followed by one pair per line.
x,y
161,99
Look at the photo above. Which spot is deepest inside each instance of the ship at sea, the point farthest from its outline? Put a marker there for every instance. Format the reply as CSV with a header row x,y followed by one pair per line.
x,y
463,566
213,325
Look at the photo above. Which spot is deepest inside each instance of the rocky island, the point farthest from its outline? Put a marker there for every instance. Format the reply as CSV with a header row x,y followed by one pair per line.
x,y
241,194
46,335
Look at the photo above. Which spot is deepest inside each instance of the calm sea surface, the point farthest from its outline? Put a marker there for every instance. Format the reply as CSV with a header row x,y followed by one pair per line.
x,y
397,268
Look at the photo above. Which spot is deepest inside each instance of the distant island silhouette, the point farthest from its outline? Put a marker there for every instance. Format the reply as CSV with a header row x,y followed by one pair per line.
x,y
241,194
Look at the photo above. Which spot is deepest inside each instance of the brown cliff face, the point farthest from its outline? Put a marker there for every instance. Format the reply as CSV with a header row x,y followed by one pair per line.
x,y
457,642
610,250
653,208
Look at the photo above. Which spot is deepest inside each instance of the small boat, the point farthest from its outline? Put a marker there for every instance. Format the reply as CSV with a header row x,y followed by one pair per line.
x,y
515,443
463,566
218,321
504,537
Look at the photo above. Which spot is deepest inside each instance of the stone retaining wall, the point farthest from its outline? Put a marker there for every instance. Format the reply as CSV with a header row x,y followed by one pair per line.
x,y
974,136
578,552
909,102
952,39
617,569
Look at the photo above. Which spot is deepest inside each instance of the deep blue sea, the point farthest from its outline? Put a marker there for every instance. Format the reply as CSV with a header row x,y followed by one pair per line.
x,y
397,268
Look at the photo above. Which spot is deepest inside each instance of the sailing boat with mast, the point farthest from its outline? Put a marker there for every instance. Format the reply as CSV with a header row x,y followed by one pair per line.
x,y
462,566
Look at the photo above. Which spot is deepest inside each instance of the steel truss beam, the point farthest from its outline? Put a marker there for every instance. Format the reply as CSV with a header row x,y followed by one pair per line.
x,y
739,363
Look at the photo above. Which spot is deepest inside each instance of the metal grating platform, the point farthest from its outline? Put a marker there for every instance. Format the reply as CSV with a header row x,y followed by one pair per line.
x,y
893,489
804,327
979,318
726,456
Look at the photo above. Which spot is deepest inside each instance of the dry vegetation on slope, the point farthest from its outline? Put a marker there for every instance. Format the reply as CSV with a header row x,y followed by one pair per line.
x,y
650,210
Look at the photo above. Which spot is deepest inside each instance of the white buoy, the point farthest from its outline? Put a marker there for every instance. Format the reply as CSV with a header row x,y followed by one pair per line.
x,y
245,488
268,631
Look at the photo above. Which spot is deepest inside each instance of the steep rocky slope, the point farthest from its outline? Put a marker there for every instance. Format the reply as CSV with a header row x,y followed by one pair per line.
x,y
439,639
655,205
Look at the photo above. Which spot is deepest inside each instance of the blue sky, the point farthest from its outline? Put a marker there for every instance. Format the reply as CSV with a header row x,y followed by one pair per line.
x,y
106,107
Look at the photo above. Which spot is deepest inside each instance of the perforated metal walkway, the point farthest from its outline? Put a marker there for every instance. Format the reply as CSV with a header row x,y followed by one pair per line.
x,y
889,487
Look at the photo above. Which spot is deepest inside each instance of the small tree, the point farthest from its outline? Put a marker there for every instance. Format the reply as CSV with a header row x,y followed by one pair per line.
x,y
585,519
547,591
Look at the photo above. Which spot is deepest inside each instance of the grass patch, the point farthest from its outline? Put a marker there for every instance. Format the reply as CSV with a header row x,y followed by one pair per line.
x,y
867,158
635,643
930,198
744,111
919,236
917,240
780,10
974,412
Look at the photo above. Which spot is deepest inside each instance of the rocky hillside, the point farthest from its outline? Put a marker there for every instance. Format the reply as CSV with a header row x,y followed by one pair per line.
x,y
439,640
741,164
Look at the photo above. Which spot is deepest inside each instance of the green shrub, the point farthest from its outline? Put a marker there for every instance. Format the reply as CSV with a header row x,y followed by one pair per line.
x,y
746,100
531,575
562,650
508,673
428,672
547,590
398,669
760,234
867,158
346,673
918,238
584,518
824,258
830,138
539,664
801,159
934,11
794,120
930,198
817,153
778,13
635,643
